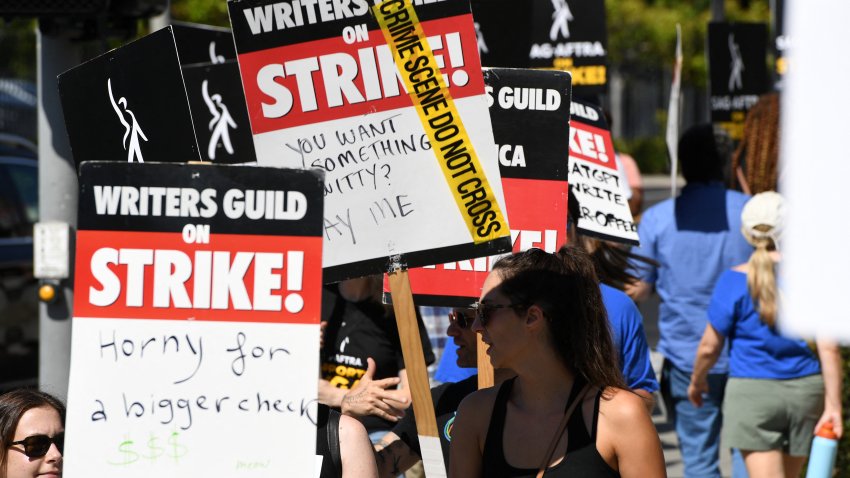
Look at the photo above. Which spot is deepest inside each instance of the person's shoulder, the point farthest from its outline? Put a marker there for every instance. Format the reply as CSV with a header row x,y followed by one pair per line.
x,y
657,213
662,207
611,296
620,407
737,198
730,281
483,396
478,405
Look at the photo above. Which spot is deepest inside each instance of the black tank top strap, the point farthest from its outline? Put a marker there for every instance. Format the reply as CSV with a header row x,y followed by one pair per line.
x,y
578,436
595,416
494,456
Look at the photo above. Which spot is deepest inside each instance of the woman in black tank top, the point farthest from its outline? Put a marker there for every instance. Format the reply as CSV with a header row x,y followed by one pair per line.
x,y
566,413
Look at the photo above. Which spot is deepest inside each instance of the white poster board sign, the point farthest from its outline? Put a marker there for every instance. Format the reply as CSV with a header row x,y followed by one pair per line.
x,y
814,172
326,92
195,330
595,180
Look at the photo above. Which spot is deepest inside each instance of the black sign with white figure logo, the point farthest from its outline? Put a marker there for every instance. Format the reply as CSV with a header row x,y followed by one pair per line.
x,y
571,35
198,43
130,104
221,116
737,54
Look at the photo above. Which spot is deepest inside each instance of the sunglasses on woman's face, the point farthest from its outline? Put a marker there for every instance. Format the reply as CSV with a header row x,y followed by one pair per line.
x,y
36,446
484,310
461,319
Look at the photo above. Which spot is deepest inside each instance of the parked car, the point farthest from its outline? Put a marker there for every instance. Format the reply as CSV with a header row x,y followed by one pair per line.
x,y
18,287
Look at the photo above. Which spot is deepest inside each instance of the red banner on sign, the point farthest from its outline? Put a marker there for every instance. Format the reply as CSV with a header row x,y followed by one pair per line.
x,y
537,213
592,144
332,78
217,277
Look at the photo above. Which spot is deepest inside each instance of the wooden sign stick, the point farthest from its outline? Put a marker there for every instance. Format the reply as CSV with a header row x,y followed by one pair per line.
x,y
486,376
417,374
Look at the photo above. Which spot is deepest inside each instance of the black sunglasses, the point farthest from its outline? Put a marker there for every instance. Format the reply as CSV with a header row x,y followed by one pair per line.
x,y
36,446
484,310
462,319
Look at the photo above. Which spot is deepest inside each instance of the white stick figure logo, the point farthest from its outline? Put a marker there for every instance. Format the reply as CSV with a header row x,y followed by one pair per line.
x,y
214,57
220,123
482,46
737,65
131,130
560,20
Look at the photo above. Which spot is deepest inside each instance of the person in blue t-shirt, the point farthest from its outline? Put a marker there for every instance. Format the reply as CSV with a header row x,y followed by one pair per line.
x,y
778,393
693,238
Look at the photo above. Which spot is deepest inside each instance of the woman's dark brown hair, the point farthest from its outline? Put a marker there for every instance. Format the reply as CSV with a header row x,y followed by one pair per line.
x,y
564,285
13,405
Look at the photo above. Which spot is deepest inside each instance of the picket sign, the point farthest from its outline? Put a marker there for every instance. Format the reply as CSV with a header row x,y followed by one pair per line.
x,y
417,374
188,299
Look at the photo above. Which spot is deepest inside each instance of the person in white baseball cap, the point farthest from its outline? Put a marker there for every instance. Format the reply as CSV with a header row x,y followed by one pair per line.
x,y
778,391
763,220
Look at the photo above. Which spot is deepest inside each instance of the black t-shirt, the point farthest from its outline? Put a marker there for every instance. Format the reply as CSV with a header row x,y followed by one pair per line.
x,y
447,398
359,330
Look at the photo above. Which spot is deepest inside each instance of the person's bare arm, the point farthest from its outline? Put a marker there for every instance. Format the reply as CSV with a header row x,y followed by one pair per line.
x,y
355,450
625,427
707,354
830,360
393,456
330,395
375,397
639,290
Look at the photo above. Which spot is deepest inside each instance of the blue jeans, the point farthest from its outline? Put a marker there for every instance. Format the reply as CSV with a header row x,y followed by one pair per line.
x,y
698,429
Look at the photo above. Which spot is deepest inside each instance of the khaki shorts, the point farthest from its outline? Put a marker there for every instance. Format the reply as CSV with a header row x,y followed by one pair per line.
x,y
761,414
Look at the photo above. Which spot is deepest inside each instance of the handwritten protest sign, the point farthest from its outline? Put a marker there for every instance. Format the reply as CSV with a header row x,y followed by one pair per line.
x,y
595,180
737,54
534,177
397,118
195,330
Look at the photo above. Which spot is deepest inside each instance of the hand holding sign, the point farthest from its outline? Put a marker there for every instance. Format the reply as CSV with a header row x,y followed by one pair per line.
x,y
372,397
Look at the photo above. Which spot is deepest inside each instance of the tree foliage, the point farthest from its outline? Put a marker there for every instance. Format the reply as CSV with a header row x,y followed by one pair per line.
x,y
17,49
210,12
642,33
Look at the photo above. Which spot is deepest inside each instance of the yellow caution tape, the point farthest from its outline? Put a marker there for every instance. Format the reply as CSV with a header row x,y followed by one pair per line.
x,y
440,118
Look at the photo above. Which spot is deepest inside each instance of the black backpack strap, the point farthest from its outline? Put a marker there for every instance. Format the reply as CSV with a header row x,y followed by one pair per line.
x,y
333,442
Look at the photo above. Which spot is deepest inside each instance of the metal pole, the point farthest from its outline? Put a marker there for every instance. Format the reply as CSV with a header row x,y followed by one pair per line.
x,y
718,11
162,20
57,196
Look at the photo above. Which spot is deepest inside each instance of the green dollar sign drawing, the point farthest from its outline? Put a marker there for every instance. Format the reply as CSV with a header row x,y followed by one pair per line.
x,y
154,450
177,450
128,455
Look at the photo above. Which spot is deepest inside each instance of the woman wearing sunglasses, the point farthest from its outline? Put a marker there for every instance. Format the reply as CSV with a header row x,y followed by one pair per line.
x,y
32,433
567,412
